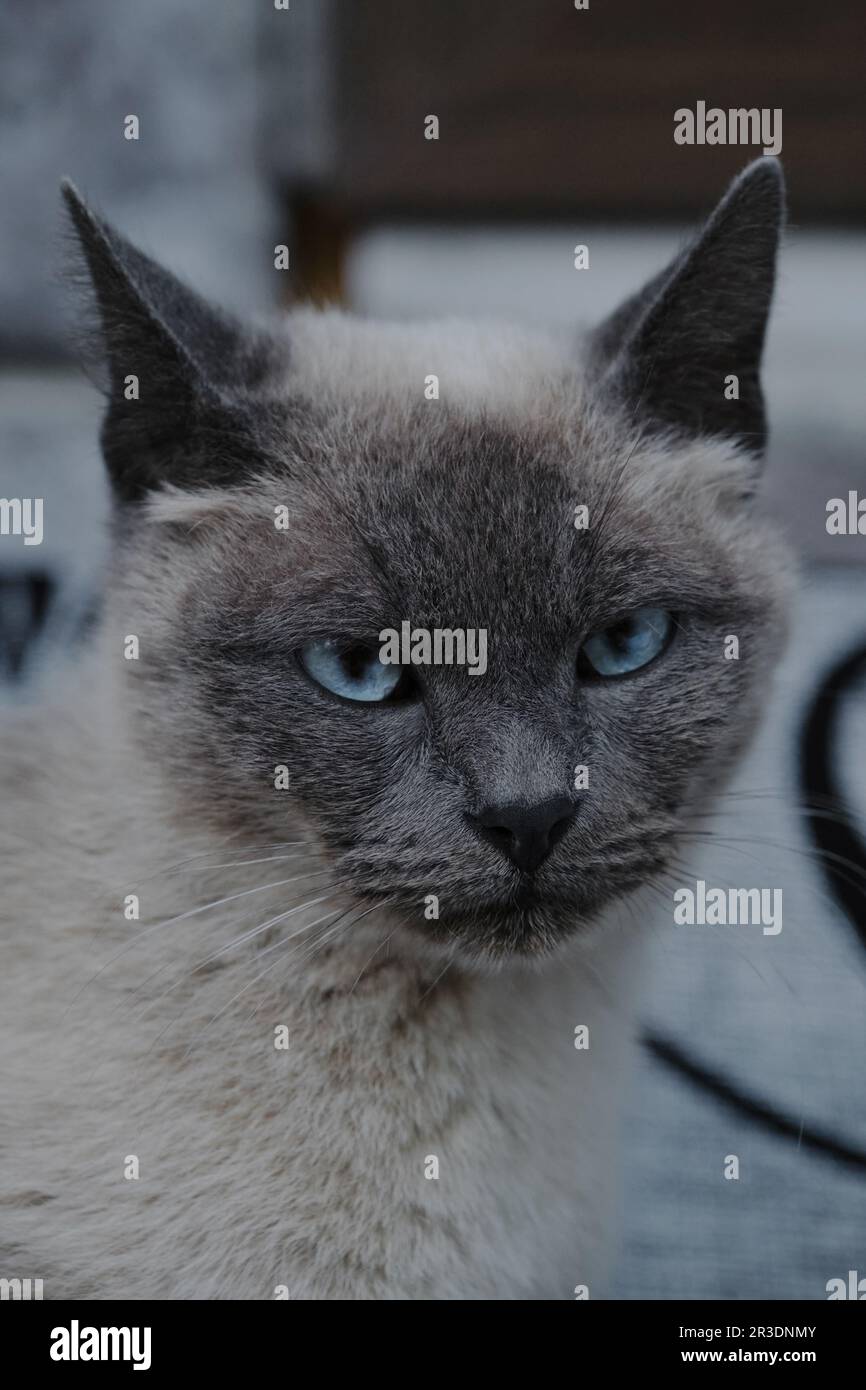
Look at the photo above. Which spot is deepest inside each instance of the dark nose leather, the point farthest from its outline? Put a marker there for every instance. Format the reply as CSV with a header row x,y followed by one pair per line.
x,y
525,834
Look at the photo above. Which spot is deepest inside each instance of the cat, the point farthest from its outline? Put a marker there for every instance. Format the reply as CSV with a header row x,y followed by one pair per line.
x,y
321,975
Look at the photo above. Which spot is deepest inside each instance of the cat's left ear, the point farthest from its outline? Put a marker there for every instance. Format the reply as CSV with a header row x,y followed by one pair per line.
x,y
685,353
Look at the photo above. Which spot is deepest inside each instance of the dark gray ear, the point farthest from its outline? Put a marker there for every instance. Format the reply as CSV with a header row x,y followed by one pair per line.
x,y
666,353
188,361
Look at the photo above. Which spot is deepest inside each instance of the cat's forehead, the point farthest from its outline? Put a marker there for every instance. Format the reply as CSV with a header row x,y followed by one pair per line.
x,y
474,367
469,518
444,426
508,488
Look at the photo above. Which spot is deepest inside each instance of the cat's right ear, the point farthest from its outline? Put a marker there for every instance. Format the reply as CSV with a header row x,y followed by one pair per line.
x,y
173,363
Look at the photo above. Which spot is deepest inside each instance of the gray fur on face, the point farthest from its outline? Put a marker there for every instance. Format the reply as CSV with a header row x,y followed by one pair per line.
x,y
454,513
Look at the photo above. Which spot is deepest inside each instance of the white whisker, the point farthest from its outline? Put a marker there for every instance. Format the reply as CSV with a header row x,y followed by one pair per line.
x,y
300,845
244,937
184,916
263,973
373,954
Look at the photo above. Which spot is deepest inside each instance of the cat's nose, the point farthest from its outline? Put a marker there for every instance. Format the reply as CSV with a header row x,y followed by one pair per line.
x,y
525,834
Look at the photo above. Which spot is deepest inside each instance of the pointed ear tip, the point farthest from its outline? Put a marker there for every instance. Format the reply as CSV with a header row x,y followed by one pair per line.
x,y
70,193
91,230
75,204
766,172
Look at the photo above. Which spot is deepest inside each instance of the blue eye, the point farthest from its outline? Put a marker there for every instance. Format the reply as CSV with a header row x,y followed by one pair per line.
x,y
351,670
628,645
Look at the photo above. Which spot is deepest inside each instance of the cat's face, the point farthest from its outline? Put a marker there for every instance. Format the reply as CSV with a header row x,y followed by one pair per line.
x,y
445,520
520,798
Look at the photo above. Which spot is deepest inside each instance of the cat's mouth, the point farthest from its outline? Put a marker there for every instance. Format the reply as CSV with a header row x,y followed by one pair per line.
x,y
529,914
526,894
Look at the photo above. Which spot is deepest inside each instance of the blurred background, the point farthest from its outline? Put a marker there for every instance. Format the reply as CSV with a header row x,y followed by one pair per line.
x,y
304,126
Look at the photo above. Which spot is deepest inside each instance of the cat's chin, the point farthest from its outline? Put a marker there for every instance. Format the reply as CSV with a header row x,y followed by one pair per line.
x,y
529,929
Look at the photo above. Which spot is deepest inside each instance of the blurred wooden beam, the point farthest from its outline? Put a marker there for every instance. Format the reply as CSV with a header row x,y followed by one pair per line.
x,y
548,111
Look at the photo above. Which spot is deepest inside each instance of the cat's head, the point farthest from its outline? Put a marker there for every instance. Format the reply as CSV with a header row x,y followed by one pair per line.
x,y
286,495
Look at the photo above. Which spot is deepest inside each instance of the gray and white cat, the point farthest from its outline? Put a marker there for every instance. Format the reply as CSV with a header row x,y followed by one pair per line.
x,y
245,1057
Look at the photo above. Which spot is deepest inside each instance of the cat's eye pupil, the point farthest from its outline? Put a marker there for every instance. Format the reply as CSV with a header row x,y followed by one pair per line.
x,y
354,660
623,632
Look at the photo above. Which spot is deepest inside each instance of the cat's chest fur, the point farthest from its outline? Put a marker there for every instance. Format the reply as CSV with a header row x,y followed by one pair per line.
x,y
341,1126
